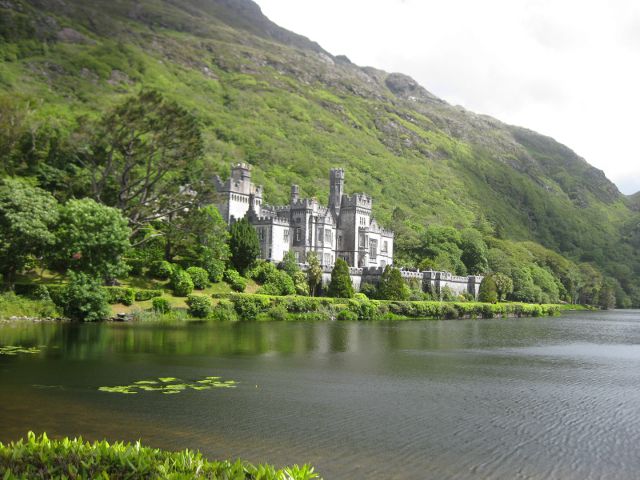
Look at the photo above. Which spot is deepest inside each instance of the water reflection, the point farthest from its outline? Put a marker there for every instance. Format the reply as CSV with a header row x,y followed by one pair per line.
x,y
521,398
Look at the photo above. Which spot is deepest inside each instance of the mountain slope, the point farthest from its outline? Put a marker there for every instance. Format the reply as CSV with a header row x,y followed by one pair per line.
x,y
279,101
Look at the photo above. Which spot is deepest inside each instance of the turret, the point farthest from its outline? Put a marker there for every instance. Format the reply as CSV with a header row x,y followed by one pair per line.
x,y
295,193
336,188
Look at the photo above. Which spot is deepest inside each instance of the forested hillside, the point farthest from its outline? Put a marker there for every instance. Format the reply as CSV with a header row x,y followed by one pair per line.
x,y
463,191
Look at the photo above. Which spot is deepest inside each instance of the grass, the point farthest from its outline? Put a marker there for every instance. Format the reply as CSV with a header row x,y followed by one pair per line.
x,y
40,458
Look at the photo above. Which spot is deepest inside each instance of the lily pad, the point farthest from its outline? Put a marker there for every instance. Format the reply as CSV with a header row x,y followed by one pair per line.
x,y
14,350
170,385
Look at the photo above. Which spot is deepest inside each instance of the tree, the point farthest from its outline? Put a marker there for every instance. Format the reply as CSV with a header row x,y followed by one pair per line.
x,y
392,286
91,238
200,238
289,264
314,272
504,285
27,215
488,292
144,152
474,251
244,245
341,286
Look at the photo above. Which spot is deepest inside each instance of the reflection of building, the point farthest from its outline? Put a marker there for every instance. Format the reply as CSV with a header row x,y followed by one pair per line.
x,y
344,229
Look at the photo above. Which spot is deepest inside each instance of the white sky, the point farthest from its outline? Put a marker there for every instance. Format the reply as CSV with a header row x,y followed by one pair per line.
x,y
569,69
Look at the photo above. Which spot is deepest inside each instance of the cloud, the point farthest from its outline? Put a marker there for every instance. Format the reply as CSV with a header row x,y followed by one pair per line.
x,y
566,69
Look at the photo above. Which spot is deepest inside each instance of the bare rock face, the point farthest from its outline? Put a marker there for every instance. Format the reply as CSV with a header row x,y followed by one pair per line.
x,y
406,87
69,35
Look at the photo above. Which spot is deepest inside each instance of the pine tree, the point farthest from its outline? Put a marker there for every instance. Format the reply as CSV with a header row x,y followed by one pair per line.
x,y
341,286
488,292
244,244
392,286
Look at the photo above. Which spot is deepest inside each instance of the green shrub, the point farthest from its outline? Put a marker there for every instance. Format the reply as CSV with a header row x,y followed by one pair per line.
x,y
161,305
235,280
199,277
161,270
199,306
364,309
41,458
261,271
123,295
224,311
215,269
84,299
181,283
277,313
142,294
340,286
369,289
347,315
249,307
278,283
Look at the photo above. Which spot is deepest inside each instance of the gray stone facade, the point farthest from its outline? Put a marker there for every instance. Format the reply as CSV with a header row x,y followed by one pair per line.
x,y
343,229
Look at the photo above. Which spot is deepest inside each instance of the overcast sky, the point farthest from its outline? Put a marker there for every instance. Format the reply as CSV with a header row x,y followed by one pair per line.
x,y
565,68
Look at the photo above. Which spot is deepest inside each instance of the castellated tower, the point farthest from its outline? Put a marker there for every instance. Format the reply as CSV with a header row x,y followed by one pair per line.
x,y
238,193
336,189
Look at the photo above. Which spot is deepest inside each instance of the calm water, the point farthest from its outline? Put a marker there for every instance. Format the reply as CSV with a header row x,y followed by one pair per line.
x,y
505,399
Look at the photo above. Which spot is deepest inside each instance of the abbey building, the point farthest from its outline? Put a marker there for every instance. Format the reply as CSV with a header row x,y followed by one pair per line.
x,y
343,229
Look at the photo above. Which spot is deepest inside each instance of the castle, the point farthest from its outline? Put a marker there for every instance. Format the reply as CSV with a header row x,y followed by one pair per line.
x,y
343,229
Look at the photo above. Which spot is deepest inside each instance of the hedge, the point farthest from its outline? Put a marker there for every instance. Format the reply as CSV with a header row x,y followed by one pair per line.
x,y
41,458
250,306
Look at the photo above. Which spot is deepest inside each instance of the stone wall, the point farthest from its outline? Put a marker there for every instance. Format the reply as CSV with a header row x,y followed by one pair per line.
x,y
431,281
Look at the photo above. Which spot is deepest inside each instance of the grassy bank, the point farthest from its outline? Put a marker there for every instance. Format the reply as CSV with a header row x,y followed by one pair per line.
x,y
38,457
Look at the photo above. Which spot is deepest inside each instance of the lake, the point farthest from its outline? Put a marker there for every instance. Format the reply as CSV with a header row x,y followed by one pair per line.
x,y
543,398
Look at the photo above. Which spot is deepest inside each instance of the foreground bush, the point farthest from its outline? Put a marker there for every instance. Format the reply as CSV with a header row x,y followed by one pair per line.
x,y
14,305
160,305
41,458
161,270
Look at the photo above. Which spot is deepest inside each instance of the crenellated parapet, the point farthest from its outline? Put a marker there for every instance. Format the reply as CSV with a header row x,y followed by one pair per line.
x,y
357,200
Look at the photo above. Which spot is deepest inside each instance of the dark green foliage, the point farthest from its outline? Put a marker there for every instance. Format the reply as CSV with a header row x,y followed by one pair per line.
x,y
364,309
91,238
84,299
369,289
243,244
123,295
41,458
27,215
249,307
235,280
392,286
142,294
261,271
340,286
199,238
199,306
161,270
161,305
181,283
199,277
488,292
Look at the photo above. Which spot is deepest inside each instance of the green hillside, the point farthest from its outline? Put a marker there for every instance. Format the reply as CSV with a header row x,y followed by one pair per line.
x,y
280,102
